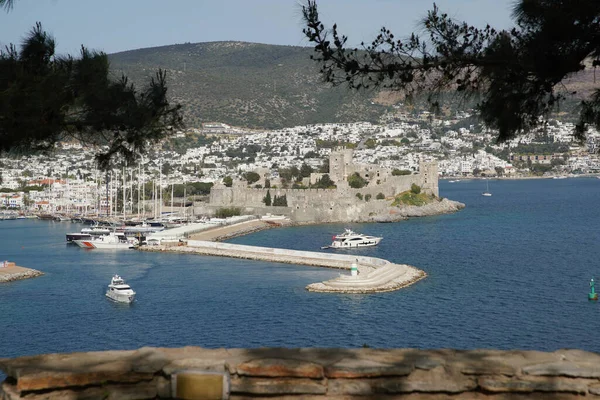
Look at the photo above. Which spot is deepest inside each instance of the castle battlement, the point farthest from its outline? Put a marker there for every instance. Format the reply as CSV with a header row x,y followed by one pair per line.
x,y
340,204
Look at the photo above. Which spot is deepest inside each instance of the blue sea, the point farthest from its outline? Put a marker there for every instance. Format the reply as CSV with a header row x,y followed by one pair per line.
x,y
510,271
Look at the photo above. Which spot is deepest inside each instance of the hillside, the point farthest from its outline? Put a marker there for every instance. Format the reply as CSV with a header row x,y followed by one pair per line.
x,y
246,84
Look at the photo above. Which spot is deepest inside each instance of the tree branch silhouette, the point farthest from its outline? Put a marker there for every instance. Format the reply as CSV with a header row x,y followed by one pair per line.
x,y
515,73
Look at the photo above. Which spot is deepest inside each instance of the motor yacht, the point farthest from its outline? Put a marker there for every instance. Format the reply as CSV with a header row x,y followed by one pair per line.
x,y
119,291
350,239
111,241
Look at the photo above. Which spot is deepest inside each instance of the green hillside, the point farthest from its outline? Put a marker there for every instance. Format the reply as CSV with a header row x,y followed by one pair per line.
x,y
246,84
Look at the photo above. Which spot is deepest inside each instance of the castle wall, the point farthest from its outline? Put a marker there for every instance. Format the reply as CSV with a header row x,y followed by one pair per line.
x,y
323,205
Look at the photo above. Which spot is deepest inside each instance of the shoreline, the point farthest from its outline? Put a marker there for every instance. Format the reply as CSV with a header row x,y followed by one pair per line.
x,y
517,178
396,214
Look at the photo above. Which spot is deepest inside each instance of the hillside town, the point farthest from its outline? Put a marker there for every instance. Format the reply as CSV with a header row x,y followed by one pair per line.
x,y
188,164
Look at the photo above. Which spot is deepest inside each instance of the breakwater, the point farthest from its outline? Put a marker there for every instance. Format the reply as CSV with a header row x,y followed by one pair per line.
x,y
374,274
9,272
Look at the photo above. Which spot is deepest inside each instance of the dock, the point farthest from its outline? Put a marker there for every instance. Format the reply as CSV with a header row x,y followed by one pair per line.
x,y
9,272
375,275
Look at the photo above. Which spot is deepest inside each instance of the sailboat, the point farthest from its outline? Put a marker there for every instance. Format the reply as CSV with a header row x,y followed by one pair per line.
x,y
487,189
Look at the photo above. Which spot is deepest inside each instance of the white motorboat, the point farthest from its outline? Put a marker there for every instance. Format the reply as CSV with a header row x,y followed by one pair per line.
x,y
110,241
350,239
119,291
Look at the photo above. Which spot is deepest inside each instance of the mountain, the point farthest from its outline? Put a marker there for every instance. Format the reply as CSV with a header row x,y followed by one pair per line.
x,y
247,84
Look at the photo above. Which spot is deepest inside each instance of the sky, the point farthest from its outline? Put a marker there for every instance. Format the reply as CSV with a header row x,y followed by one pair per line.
x,y
119,25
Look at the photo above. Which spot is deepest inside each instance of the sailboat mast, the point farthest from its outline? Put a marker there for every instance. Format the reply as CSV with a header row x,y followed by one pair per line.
x,y
124,193
140,185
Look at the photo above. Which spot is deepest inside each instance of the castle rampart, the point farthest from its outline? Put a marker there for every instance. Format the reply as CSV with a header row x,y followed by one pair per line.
x,y
326,205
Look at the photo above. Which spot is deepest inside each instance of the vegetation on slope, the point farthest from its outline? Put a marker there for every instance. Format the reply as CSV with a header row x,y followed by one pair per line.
x,y
246,84
413,197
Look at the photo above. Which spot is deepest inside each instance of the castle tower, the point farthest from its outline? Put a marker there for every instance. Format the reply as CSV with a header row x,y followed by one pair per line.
x,y
429,177
340,164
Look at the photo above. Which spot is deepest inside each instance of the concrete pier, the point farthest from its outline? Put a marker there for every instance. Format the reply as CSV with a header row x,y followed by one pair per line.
x,y
10,272
374,274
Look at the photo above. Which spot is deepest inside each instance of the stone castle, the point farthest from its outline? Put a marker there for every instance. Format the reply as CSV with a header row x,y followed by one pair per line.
x,y
342,204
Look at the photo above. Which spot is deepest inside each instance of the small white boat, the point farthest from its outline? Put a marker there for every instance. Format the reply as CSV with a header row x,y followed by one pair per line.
x,y
110,241
119,291
487,192
350,239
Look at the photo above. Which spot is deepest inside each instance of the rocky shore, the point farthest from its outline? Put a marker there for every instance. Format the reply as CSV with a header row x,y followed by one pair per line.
x,y
394,214
12,272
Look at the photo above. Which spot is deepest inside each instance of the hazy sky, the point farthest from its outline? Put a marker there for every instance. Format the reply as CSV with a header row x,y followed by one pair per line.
x,y
118,25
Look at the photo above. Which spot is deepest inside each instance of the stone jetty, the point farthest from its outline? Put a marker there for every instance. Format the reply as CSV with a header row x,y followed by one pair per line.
x,y
374,274
10,272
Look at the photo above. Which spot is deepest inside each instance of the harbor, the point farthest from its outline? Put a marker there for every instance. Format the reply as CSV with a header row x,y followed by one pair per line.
x,y
473,296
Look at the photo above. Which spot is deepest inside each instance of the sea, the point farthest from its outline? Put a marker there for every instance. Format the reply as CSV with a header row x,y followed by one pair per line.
x,y
510,271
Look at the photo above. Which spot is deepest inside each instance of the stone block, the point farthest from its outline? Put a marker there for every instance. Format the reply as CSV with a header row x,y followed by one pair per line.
x,y
503,384
419,381
270,367
276,386
198,364
435,380
148,360
143,390
564,368
364,368
59,379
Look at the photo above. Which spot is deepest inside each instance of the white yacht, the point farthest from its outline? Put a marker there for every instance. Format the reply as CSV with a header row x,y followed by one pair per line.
x,y
350,239
119,291
110,241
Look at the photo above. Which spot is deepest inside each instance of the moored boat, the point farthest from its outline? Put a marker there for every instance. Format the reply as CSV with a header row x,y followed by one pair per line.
x,y
71,237
351,239
111,241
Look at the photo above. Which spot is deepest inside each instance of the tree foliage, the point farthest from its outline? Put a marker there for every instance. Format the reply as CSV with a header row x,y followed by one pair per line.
x,y
306,170
45,98
226,212
7,4
400,172
280,201
515,73
267,198
251,177
324,183
356,181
